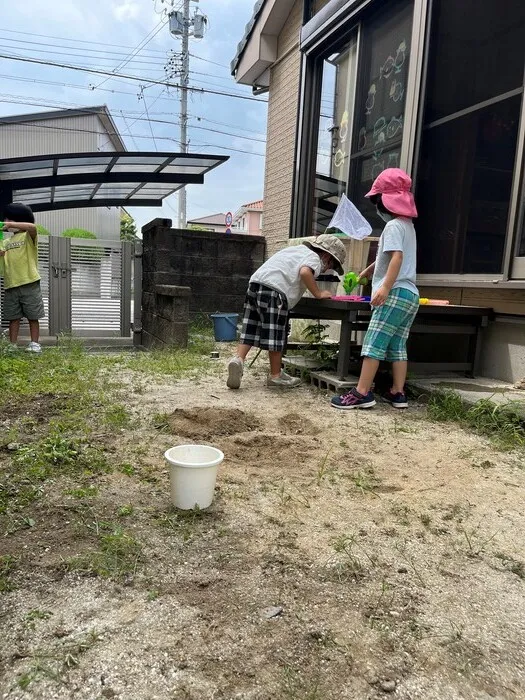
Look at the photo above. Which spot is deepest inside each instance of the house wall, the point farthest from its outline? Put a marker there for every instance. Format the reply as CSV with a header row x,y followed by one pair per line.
x,y
65,135
504,342
282,124
253,223
503,355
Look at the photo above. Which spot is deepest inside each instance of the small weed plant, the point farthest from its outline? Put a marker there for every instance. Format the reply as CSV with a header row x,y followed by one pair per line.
x,y
316,336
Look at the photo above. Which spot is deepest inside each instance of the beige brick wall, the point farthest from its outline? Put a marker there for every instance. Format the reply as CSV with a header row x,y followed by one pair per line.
x,y
282,121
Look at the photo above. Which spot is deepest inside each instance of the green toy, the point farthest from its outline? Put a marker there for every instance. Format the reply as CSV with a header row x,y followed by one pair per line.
x,y
352,280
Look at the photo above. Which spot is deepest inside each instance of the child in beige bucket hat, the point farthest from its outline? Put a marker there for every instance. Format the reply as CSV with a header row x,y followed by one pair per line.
x,y
273,290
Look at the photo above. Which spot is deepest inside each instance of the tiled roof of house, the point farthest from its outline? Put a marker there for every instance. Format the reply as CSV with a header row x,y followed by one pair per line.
x,y
259,205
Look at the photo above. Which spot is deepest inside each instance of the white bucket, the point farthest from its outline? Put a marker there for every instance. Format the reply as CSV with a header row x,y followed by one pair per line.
x,y
193,471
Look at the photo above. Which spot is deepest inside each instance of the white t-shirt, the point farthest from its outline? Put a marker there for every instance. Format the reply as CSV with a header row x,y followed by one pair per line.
x,y
398,234
281,271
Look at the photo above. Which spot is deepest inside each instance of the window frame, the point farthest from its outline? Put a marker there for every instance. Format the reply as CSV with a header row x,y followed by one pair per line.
x,y
514,264
331,34
516,214
313,56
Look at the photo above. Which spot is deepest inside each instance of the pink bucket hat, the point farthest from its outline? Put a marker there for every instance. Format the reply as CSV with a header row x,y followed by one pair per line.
x,y
394,185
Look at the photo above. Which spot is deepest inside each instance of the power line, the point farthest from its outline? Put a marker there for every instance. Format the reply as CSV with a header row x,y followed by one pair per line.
x,y
44,102
116,92
149,36
102,43
81,53
75,41
207,60
131,77
138,136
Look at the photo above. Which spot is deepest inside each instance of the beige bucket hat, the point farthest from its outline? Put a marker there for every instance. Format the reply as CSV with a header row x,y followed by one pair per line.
x,y
329,243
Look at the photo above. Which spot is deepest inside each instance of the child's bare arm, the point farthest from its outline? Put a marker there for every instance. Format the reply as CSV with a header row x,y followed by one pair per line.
x,y
22,226
368,271
307,276
396,260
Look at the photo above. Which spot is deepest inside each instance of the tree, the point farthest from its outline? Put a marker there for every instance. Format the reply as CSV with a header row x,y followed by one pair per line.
x,y
128,229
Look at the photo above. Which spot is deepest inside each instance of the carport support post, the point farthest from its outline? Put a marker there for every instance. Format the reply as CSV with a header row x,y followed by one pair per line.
x,y
125,290
137,295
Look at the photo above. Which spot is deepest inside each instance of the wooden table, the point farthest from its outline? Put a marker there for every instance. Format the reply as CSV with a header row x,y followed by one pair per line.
x,y
442,320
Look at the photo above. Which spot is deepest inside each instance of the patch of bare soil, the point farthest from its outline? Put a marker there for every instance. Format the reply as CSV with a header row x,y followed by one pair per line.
x,y
205,423
347,556
40,408
297,424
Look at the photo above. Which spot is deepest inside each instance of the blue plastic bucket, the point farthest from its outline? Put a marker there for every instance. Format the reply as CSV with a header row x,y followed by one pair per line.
x,y
225,327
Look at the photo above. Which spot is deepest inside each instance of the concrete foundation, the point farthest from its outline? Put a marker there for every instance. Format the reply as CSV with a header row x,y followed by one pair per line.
x,y
504,350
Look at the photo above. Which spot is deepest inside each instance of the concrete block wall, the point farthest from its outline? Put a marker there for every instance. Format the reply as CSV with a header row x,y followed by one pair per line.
x,y
215,266
165,316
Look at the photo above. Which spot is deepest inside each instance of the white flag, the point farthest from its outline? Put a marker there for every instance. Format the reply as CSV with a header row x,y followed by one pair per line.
x,y
349,220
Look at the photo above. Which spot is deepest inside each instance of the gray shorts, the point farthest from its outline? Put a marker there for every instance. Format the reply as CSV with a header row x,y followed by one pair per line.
x,y
23,302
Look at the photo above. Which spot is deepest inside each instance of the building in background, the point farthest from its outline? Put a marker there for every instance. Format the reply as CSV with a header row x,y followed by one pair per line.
x,y
433,86
249,218
213,222
66,131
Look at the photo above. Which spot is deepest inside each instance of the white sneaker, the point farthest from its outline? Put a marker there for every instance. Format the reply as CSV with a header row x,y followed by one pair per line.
x,y
283,381
34,347
235,372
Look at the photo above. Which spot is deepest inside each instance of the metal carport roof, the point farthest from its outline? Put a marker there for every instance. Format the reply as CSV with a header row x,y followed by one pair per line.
x,y
101,178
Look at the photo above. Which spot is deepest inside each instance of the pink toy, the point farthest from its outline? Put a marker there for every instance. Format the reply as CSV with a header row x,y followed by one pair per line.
x,y
350,297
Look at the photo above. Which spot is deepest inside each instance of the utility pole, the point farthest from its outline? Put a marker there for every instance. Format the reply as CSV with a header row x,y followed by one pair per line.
x,y
184,26
185,79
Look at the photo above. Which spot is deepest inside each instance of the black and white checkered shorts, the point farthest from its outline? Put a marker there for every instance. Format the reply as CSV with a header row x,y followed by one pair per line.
x,y
265,321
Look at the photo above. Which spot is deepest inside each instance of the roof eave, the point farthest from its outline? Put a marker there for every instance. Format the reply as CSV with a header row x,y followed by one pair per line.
x,y
258,50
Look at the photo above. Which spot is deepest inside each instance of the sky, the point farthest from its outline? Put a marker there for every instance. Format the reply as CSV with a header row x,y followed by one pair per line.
x,y
131,37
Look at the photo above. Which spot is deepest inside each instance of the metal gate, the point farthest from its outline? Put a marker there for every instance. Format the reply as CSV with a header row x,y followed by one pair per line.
x,y
86,285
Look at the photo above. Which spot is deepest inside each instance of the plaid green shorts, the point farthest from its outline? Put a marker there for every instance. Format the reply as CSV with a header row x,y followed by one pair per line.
x,y
387,334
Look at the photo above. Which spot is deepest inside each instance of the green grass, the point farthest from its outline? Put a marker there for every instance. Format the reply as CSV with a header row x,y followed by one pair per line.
x,y
54,455
503,423
65,407
116,555
173,363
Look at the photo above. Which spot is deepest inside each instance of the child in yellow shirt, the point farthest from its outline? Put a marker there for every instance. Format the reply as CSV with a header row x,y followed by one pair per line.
x,y
23,296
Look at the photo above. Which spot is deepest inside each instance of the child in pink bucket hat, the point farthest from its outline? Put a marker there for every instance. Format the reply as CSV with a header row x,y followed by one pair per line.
x,y
395,296
394,186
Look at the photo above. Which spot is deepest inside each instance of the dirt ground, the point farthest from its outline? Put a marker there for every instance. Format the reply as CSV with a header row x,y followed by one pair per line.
x,y
346,555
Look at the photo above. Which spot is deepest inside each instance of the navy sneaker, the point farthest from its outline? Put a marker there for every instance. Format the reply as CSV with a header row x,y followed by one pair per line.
x,y
398,400
353,399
